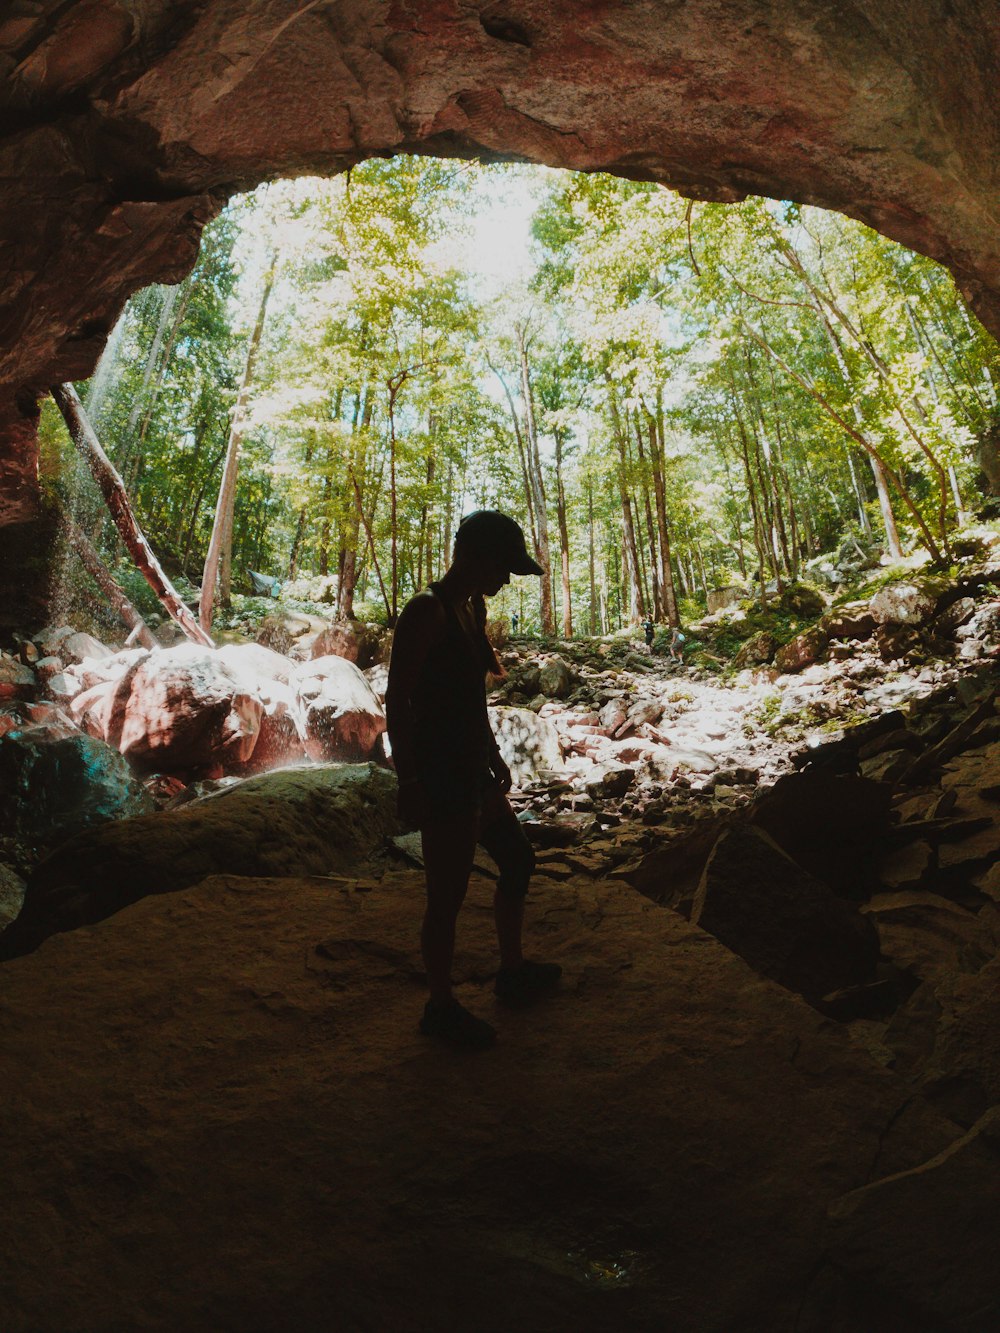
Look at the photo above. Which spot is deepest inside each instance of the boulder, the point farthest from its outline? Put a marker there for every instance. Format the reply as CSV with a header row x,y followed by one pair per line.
x,y
49,640
94,670
529,744
720,598
801,600
17,681
47,667
756,650
853,620
309,821
78,646
250,661
377,677
265,675
187,712
929,936
782,921
290,630
831,824
342,719
959,613
350,639
62,687
11,894
55,782
927,1237
556,678
895,641
904,603
802,651
612,783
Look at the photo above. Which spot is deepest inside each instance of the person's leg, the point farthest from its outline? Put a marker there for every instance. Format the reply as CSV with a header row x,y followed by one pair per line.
x,y
519,981
505,840
449,846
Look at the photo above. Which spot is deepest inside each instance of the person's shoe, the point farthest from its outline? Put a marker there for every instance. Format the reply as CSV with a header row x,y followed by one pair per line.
x,y
518,986
453,1023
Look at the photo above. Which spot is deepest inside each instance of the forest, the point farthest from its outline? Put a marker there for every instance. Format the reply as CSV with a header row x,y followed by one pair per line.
x,y
673,397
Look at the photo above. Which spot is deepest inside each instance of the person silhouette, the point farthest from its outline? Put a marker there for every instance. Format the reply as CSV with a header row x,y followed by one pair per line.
x,y
453,780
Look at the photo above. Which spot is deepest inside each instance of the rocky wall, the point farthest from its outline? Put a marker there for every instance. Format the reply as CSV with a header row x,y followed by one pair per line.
x,y
126,125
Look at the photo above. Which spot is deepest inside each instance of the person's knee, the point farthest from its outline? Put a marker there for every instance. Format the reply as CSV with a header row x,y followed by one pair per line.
x,y
515,858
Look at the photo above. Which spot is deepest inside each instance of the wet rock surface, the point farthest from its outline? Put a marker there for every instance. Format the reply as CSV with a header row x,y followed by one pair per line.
x,y
55,782
297,821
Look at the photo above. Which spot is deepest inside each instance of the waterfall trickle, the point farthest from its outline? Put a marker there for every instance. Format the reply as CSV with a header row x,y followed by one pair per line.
x,y
103,376
80,502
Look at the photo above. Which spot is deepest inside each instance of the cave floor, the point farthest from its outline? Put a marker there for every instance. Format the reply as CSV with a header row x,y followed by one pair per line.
x,y
220,1115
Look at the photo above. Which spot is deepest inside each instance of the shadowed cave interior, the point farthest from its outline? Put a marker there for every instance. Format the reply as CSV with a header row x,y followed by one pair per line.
x,y
767,1092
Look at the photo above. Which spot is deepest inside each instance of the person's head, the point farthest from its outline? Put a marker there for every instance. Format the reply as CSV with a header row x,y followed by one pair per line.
x,y
491,547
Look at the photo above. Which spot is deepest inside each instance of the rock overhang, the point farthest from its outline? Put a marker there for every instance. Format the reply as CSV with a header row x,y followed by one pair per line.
x,y
127,129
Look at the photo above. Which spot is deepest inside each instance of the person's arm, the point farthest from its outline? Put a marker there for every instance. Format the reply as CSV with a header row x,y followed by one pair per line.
x,y
420,623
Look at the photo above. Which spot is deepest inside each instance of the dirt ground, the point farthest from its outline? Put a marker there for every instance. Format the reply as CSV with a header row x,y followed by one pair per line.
x,y
220,1115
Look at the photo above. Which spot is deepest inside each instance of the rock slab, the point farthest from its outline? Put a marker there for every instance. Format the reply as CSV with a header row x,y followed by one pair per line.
x,y
785,923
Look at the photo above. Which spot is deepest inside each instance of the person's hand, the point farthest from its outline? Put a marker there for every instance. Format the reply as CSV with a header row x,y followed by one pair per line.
x,y
501,772
411,804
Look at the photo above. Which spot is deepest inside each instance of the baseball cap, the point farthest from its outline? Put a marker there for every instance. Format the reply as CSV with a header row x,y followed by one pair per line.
x,y
490,533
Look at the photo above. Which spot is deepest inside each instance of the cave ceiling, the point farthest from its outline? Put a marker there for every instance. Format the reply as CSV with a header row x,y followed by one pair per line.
x,y
126,125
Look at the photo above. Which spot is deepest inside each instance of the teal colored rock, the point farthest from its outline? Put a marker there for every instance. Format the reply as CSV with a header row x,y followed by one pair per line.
x,y
55,783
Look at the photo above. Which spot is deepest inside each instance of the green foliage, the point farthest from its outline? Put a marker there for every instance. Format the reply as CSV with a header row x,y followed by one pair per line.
x,y
718,376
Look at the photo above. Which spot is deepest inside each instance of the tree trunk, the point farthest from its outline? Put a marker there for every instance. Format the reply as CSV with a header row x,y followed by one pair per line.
x,y
658,451
113,489
104,579
567,605
132,462
218,561
537,486
630,551
656,573
590,555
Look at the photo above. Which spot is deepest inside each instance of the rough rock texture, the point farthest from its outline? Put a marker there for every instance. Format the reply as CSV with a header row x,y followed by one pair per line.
x,y
223,1117
54,784
903,604
801,651
342,719
351,639
299,821
529,743
829,823
899,1233
186,711
127,126
787,925
11,894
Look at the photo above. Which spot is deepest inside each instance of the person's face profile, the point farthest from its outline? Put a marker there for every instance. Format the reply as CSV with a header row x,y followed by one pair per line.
x,y
496,575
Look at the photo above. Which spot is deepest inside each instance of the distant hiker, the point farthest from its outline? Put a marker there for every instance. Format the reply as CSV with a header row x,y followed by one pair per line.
x,y
453,780
648,628
515,620
676,644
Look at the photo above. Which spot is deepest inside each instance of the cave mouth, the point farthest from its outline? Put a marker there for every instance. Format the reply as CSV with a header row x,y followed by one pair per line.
x,y
729,394
745,444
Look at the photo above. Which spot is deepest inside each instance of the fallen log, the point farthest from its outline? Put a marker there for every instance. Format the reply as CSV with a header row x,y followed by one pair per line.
x,y
99,572
112,488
